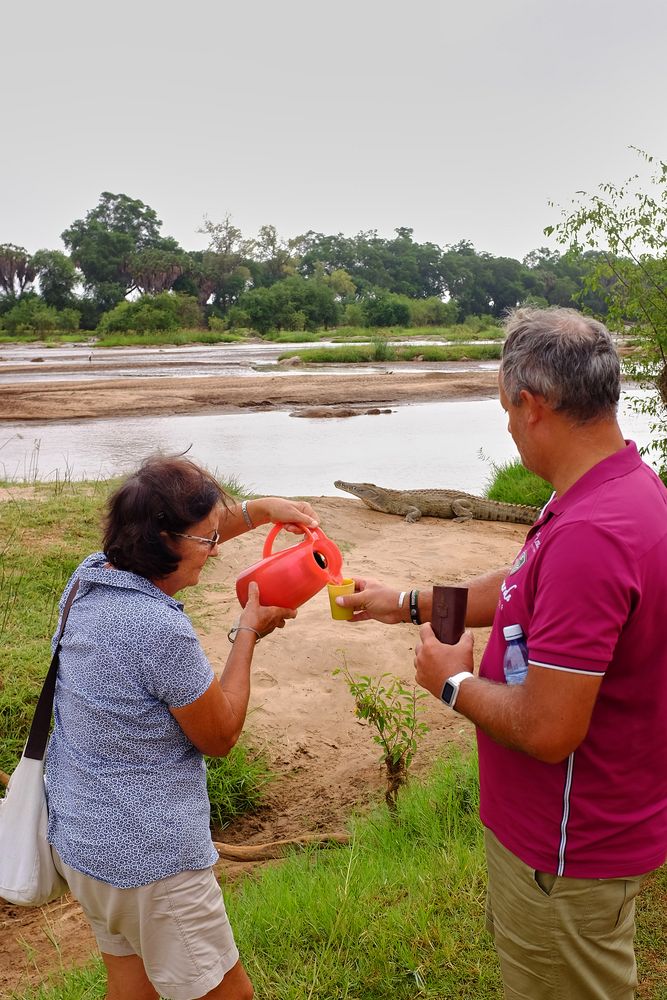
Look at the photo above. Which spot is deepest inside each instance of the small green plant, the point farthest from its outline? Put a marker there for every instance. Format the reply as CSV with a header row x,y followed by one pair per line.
x,y
392,709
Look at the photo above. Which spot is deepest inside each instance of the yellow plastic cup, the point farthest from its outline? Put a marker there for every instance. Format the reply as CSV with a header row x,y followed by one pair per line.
x,y
336,590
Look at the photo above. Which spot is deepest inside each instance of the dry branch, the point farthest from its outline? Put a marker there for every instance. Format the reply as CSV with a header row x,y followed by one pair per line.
x,y
278,848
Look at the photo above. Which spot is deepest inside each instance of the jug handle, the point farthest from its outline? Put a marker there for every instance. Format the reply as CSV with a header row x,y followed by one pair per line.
x,y
275,530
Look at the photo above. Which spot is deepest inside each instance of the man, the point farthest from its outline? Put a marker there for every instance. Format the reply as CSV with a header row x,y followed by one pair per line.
x,y
573,761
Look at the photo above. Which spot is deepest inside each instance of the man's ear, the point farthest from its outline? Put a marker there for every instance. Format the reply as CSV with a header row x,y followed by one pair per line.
x,y
533,405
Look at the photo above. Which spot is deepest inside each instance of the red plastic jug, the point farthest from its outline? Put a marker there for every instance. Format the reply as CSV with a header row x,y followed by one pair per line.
x,y
290,577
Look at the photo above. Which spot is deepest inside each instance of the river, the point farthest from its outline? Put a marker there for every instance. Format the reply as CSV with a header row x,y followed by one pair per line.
x,y
448,444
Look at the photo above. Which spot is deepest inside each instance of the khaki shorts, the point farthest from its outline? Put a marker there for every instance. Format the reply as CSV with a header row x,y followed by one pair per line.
x,y
177,925
560,938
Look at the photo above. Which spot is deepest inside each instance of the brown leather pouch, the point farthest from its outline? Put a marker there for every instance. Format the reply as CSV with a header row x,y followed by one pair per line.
x,y
448,614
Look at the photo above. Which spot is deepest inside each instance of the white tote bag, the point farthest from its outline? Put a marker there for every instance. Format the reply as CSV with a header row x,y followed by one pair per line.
x,y
28,876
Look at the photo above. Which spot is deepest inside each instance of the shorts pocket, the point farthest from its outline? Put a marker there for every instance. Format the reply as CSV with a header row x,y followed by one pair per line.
x,y
609,906
545,882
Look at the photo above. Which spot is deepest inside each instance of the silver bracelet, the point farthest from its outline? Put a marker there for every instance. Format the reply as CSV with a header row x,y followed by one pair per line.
x,y
246,515
401,598
231,635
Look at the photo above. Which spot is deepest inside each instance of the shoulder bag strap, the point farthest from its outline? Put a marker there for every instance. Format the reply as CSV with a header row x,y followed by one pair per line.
x,y
35,748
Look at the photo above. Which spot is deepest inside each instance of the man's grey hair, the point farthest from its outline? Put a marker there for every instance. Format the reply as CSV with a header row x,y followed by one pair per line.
x,y
567,358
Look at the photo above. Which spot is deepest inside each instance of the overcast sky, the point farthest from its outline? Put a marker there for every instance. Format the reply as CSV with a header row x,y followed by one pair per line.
x,y
462,119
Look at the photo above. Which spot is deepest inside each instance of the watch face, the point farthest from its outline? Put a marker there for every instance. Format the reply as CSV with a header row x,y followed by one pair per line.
x,y
448,692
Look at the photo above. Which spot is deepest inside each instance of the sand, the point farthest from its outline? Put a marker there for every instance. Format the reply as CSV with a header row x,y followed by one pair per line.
x,y
114,397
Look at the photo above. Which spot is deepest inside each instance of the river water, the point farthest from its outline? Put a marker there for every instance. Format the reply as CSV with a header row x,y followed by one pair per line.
x,y
450,445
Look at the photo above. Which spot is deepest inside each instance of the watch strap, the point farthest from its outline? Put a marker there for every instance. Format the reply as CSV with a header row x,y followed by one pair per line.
x,y
453,683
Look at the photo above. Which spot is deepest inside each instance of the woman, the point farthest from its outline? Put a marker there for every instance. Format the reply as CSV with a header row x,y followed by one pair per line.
x,y
136,706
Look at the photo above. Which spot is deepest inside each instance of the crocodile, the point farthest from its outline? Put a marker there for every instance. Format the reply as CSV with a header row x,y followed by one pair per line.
x,y
438,503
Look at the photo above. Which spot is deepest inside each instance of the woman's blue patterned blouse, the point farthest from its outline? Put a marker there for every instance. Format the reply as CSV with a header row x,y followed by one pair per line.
x,y
126,787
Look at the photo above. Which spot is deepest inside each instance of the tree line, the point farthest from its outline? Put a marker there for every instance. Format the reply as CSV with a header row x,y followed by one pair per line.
x,y
120,272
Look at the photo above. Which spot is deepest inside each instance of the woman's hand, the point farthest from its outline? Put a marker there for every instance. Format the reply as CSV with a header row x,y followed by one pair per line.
x,y
264,620
435,661
294,514
372,601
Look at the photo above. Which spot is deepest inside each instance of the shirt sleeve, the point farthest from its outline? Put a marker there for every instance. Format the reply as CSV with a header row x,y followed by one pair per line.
x,y
585,591
179,672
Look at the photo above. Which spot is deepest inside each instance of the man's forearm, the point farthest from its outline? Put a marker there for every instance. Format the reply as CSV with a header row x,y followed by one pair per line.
x,y
483,594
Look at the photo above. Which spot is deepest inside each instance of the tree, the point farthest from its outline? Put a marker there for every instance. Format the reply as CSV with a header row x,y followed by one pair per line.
x,y
153,271
271,258
386,309
626,227
291,304
466,280
57,277
102,244
222,270
17,270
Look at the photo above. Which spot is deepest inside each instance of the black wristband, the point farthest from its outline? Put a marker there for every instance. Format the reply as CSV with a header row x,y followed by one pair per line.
x,y
414,608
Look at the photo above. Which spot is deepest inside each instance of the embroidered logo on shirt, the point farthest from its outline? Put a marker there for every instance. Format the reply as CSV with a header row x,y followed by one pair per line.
x,y
518,563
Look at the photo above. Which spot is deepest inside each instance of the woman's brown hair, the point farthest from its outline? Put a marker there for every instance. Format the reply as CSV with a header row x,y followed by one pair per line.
x,y
166,493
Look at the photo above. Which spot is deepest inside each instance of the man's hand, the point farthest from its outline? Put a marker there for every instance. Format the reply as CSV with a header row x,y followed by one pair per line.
x,y
372,601
435,661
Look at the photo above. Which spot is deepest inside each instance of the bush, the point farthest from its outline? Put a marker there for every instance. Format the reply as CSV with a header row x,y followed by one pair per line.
x,y
353,314
167,311
291,304
32,315
432,312
236,319
478,323
386,309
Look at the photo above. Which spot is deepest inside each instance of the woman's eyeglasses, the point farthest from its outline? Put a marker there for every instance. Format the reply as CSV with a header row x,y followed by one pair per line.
x,y
211,542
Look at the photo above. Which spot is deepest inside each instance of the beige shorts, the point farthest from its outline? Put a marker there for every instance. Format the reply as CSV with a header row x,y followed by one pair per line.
x,y
178,926
560,938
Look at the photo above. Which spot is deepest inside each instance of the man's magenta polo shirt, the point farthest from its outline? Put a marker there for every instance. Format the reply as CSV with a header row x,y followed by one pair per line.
x,y
589,589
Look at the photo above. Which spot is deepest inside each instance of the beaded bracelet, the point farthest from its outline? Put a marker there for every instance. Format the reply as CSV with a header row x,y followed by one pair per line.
x,y
414,608
246,515
231,635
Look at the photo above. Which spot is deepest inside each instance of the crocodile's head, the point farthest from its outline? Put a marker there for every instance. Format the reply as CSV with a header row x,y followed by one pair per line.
x,y
371,494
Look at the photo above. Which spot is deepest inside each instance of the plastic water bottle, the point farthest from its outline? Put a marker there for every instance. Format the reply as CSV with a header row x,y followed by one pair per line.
x,y
515,660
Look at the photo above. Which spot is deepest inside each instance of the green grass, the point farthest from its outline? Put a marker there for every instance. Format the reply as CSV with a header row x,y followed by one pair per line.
x,y
360,354
510,482
399,913
175,338
236,783
42,541
354,333
344,334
